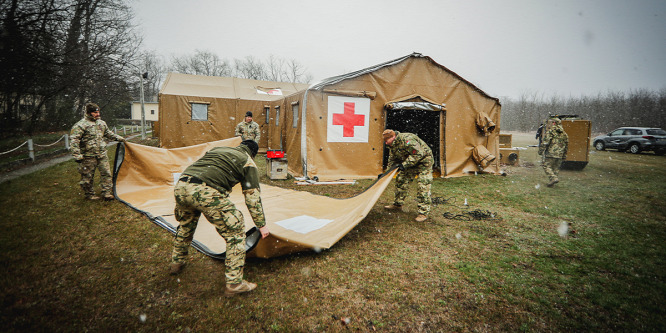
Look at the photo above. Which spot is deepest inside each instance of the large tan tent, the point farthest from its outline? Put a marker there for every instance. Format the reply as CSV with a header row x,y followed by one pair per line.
x,y
333,129
195,109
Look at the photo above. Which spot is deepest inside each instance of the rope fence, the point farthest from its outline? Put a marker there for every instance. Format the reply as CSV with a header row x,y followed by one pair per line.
x,y
65,137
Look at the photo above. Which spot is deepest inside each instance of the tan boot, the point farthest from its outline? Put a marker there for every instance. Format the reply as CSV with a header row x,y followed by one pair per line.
x,y
235,289
553,182
92,197
176,267
421,218
109,197
393,207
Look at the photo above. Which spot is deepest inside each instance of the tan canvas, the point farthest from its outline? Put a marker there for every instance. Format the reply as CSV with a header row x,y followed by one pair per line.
x,y
145,179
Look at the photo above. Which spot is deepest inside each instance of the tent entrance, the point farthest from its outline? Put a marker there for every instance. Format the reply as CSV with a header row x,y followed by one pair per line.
x,y
424,119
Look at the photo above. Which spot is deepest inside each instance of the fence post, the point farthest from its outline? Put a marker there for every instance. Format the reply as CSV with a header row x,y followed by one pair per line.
x,y
31,150
67,141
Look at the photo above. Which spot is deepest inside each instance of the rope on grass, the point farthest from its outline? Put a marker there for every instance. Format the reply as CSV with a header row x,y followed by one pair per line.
x,y
440,200
476,214
51,143
7,152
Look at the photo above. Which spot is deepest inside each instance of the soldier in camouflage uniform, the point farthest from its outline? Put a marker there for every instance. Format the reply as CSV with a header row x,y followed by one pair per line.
x,y
553,148
204,187
88,147
414,158
248,129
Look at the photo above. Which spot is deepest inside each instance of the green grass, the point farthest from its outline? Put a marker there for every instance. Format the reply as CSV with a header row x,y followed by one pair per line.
x,y
73,265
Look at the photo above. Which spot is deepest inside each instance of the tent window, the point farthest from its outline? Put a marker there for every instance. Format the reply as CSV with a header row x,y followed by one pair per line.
x,y
277,116
294,110
199,111
267,110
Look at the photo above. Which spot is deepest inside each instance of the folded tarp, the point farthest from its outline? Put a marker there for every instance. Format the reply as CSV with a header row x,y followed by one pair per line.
x,y
144,178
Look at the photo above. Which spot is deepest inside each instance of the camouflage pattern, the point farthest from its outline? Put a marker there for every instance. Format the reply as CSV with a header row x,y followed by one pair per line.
x,y
194,199
88,147
89,138
248,131
415,155
556,141
551,165
553,148
87,168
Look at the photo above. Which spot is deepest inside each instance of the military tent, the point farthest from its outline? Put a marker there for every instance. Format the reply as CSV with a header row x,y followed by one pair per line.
x,y
333,129
195,109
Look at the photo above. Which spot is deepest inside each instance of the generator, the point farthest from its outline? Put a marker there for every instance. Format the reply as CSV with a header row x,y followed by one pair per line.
x,y
509,156
579,131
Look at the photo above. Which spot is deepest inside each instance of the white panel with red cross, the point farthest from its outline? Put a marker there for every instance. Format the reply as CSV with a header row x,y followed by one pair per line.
x,y
348,119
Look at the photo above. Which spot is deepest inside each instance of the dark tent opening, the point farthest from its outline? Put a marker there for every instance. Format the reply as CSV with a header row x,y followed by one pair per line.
x,y
424,123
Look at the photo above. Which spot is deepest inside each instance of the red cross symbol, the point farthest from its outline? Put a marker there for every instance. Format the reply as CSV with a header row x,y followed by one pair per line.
x,y
348,120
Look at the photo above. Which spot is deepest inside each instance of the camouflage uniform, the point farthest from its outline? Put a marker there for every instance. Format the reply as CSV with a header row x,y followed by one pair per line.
x,y
416,157
553,148
89,149
248,131
204,187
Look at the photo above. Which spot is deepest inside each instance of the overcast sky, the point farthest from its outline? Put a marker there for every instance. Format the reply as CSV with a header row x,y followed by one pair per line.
x,y
504,47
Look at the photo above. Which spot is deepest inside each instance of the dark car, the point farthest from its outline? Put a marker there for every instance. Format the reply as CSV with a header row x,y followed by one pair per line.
x,y
633,139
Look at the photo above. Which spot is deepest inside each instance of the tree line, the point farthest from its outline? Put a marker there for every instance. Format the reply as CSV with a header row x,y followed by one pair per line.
x,y
57,55
606,111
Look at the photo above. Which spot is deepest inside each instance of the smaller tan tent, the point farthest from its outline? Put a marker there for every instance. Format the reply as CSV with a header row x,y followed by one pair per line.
x,y
195,109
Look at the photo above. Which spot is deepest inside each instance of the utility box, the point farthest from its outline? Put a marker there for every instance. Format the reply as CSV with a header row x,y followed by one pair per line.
x,y
505,140
276,168
579,131
509,156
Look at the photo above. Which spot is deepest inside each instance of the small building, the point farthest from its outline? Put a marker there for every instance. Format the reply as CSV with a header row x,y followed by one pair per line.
x,y
151,110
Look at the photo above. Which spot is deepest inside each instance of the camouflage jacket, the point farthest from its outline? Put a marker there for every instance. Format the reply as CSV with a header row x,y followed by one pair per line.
x,y
408,149
248,131
89,138
223,167
555,143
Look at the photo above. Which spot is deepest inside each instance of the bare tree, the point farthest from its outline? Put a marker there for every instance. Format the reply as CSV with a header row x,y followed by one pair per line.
x,y
201,63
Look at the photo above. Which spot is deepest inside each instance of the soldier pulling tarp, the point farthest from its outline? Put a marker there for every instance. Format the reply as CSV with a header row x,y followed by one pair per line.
x,y
144,178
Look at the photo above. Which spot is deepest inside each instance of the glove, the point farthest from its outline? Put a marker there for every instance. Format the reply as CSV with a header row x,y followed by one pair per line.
x,y
401,167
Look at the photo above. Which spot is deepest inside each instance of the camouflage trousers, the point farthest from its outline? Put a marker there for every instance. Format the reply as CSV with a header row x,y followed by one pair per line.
x,y
194,199
424,172
551,165
87,169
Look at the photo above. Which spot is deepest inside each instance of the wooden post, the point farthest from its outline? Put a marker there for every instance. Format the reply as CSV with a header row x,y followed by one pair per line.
x,y
31,150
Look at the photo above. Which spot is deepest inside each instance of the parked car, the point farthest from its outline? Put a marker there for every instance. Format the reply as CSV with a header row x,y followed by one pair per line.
x,y
633,139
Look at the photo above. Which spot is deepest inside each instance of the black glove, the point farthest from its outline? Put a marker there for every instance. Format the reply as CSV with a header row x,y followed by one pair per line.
x,y
401,167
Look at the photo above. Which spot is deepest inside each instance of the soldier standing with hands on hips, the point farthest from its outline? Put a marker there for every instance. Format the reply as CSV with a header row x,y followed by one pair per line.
x,y
88,148
553,148
413,157
204,187
248,129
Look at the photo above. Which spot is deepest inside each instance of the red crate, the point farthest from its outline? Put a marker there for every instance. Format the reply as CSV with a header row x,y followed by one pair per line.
x,y
274,154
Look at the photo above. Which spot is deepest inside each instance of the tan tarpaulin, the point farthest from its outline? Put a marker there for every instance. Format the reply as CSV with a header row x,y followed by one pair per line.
x,y
404,79
144,178
227,98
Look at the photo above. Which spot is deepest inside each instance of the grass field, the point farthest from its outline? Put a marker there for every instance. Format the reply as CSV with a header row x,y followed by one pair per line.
x,y
497,264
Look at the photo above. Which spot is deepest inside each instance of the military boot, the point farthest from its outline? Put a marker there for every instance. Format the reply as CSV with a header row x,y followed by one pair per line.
x,y
109,197
176,267
421,218
235,289
92,197
553,182
393,207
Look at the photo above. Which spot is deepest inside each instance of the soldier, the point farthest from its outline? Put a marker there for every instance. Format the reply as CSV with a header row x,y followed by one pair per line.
x,y
413,157
553,148
204,187
89,150
248,129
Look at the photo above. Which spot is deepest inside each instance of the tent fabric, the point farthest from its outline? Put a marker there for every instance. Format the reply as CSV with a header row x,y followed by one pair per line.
x,y
406,79
482,156
144,178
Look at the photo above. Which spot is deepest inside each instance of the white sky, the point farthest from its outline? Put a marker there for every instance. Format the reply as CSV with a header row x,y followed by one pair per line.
x,y
504,47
